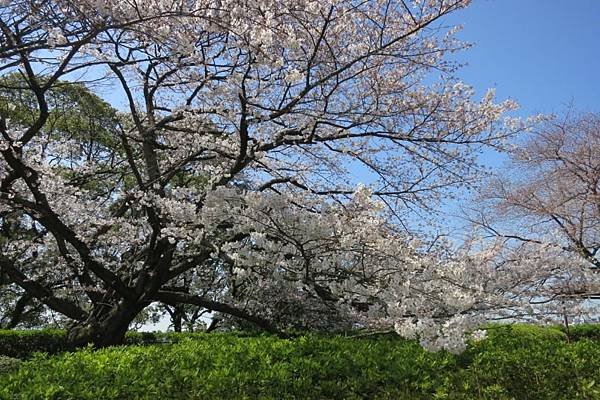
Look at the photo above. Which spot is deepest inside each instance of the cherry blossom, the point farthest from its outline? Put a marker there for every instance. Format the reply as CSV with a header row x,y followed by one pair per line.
x,y
231,181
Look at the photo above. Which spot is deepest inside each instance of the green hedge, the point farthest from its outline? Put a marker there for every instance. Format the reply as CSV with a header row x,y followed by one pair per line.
x,y
526,362
518,362
220,366
22,344
583,331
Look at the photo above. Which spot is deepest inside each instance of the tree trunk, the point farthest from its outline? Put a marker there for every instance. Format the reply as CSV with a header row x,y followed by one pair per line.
x,y
177,318
176,315
108,330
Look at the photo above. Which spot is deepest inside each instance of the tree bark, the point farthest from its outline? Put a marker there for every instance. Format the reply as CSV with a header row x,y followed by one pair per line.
x,y
109,330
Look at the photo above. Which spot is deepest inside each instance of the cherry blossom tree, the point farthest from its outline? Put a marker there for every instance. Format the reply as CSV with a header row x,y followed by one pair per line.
x,y
548,202
76,112
236,164
555,199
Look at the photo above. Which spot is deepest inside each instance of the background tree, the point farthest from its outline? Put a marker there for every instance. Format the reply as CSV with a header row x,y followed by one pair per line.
x,y
75,113
549,199
248,126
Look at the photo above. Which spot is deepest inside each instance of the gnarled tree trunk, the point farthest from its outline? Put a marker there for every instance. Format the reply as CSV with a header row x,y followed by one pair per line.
x,y
107,330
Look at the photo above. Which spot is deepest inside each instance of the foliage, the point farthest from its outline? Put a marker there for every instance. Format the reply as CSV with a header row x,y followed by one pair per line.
x,y
583,331
8,364
530,363
74,111
518,362
223,366
23,343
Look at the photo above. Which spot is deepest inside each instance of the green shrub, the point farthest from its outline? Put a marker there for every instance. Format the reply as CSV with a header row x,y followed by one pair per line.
x,y
528,362
22,344
515,362
522,334
220,366
583,331
8,364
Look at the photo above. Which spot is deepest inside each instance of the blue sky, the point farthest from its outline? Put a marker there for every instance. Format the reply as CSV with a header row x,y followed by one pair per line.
x,y
542,53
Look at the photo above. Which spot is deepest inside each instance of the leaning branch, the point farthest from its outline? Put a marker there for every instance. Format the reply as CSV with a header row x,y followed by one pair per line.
x,y
173,298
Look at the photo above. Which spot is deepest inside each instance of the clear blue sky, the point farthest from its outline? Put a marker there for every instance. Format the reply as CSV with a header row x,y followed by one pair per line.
x,y
542,53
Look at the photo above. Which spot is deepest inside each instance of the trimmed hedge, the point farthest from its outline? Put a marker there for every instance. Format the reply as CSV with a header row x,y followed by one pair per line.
x,y
529,363
220,366
515,362
583,331
23,344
